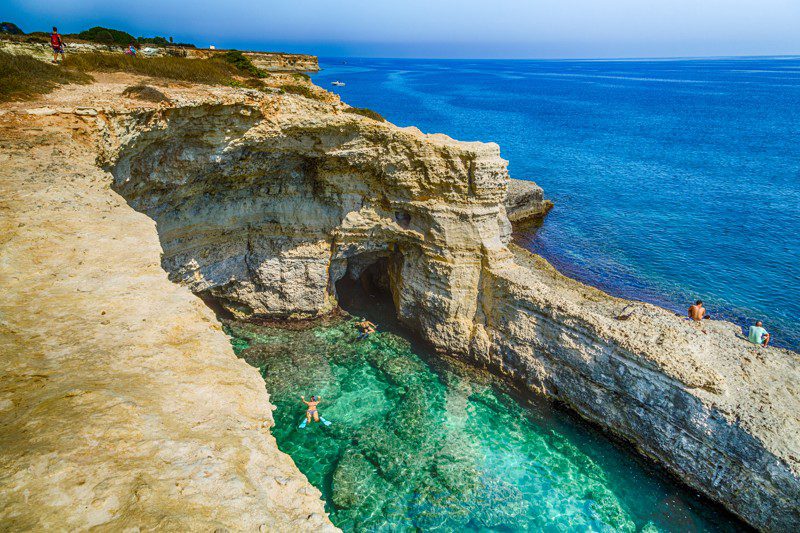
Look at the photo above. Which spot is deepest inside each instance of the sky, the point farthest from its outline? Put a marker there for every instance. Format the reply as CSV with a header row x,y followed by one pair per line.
x,y
442,28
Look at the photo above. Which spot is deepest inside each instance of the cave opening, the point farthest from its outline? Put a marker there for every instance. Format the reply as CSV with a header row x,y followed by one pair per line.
x,y
365,291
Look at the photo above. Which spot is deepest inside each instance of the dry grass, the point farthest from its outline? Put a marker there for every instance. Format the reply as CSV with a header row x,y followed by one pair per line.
x,y
207,71
302,90
23,77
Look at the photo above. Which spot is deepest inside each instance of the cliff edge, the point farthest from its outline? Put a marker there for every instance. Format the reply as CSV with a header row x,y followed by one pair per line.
x,y
122,404
263,201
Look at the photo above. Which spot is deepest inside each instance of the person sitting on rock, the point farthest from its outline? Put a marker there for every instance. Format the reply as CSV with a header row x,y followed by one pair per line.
x,y
367,328
758,335
697,312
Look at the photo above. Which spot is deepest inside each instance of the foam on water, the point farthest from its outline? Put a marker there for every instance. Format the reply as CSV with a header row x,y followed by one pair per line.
x,y
417,443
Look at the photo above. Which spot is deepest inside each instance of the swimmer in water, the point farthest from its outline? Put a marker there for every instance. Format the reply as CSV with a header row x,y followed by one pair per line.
x,y
367,328
312,408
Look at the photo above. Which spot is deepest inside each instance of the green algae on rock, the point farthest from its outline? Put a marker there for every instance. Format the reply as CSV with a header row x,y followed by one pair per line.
x,y
416,446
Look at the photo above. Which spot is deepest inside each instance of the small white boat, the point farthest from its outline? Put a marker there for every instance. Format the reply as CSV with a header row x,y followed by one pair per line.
x,y
338,83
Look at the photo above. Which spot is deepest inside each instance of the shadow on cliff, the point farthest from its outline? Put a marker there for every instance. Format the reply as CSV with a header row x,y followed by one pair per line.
x,y
369,296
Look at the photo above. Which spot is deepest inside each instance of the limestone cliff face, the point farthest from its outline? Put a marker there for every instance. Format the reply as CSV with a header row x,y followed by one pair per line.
x,y
281,62
264,202
122,405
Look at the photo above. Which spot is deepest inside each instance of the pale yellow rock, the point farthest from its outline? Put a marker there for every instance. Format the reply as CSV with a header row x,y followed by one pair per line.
x,y
263,201
122,406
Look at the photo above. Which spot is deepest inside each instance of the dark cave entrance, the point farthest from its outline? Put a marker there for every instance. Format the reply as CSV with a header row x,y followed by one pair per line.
x,y
365,290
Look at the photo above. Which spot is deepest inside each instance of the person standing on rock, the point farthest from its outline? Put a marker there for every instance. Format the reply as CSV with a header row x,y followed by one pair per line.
x,y
57,44
758,335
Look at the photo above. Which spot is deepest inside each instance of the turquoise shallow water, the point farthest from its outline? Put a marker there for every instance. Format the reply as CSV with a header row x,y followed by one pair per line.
x,y
435,446
673,180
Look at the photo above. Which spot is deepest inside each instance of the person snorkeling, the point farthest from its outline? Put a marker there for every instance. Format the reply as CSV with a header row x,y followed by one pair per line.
x,y
312,411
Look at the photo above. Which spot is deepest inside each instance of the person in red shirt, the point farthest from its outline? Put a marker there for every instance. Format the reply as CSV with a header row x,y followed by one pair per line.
x,y
56,44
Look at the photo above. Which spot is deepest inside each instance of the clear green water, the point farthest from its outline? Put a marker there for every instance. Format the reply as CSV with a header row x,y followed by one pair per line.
x,y
417,443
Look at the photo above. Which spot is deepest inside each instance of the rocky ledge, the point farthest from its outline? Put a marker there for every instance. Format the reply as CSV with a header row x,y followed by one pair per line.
x,y
264,201
525,201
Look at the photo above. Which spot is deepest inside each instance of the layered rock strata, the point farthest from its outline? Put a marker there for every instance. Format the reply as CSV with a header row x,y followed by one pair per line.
x,y
525,201
282,62
265,204
264,201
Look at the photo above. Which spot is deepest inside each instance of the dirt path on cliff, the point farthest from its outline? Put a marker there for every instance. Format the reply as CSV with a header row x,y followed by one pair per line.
x,y
121,402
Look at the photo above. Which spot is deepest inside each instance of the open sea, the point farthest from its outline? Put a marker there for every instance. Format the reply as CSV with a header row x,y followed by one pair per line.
x,y
673,180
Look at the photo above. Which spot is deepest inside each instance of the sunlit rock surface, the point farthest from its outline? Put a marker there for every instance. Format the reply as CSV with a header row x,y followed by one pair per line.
x,y
264,204
122,405
263,201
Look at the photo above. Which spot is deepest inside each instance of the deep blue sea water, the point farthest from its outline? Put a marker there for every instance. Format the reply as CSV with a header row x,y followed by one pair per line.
x,y
673,179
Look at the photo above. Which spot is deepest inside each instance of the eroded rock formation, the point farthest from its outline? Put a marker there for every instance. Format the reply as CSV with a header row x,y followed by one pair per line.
x,y
122,405
263,201
525,201
264,204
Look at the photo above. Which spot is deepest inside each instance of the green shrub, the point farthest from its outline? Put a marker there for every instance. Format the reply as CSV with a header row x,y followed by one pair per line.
x,y
37,38
243,63
23,77
364,112
208,71
10,28
99,34
302,90
158,41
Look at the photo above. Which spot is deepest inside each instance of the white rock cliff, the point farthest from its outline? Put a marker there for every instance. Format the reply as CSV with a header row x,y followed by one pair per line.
x,y
263,201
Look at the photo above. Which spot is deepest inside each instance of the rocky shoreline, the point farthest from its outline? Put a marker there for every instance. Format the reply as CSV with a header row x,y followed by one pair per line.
x,y
263,201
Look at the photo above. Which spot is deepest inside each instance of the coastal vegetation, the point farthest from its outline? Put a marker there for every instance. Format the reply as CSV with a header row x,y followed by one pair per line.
x,y
23,77
302,90
98,34
208,71
364,112
242,63
10,28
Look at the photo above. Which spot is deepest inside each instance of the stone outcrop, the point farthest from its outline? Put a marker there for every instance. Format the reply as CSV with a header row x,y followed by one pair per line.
x,y
264,201
525,201
264,204
281,62
122,405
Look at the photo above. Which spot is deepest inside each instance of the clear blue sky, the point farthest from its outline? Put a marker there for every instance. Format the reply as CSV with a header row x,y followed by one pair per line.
x,y
442,28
